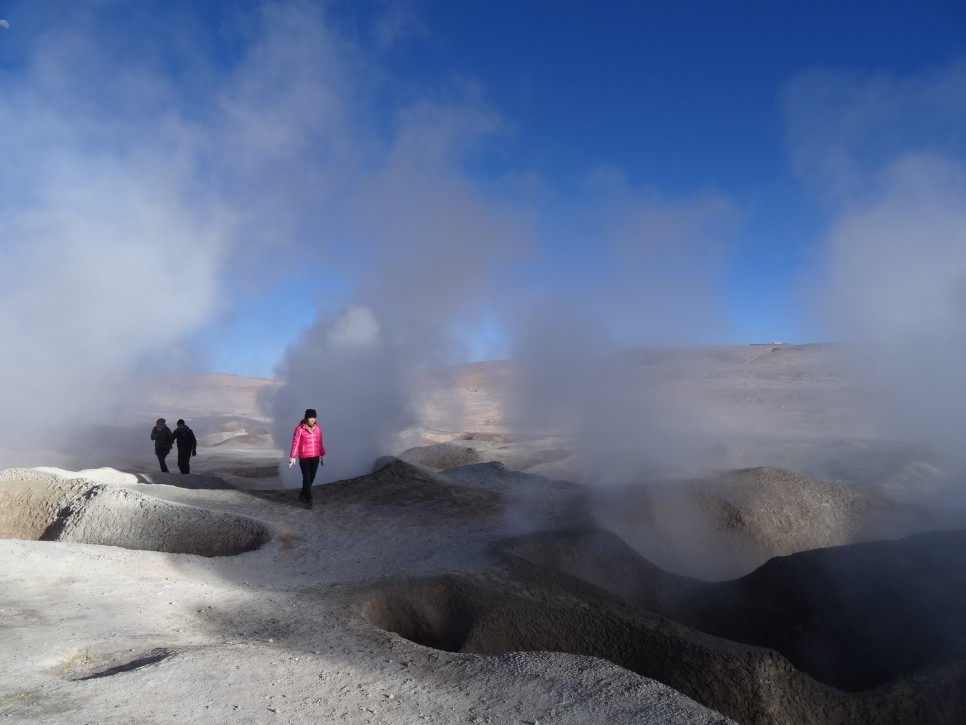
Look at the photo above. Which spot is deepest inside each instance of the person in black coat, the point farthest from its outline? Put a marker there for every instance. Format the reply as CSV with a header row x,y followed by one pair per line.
x,y
187,445
163,439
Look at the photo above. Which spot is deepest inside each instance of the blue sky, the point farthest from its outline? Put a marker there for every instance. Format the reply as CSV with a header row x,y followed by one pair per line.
x,y
196,183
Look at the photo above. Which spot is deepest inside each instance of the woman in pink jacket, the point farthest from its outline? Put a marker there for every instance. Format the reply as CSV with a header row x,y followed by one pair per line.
x,y
307,448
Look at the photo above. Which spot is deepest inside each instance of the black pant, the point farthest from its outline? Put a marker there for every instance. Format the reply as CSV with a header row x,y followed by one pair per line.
x,y
184,460
161,456
309,466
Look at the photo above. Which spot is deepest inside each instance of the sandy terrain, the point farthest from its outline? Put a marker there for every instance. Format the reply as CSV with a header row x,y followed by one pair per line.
x,y
482,576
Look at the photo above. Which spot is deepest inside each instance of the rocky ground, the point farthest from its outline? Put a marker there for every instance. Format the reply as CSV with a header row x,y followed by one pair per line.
x,y
481,576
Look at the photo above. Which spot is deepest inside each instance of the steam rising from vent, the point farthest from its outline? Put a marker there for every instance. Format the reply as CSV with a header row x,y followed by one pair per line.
x,y
153,205
897,286
345,369
890,155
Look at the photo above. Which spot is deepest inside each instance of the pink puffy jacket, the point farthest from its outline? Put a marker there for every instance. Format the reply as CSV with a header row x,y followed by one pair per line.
x,y
307,443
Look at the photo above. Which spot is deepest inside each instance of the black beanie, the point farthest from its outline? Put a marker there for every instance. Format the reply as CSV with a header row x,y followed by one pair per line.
x,y
180,421
160,421
310,413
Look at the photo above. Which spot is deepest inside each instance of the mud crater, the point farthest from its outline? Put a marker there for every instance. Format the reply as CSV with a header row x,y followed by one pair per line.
x,y
40,507
777,646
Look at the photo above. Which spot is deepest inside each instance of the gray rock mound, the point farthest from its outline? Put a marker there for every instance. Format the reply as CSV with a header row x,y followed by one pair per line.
x,y
440,456
540,456
43,507
401,486
853,617
727,525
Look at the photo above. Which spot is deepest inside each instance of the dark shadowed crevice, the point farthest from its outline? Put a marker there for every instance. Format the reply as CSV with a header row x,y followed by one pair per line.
x,y
151,658
56,527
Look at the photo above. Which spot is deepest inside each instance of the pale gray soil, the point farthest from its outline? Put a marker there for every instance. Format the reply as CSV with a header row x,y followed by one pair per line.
x,y
497,580
96,633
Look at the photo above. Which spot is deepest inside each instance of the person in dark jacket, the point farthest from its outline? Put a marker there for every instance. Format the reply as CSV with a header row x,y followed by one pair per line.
x,y
187,445
163,440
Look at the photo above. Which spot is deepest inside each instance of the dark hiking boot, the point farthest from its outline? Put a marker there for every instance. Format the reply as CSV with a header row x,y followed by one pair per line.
x,y
308,502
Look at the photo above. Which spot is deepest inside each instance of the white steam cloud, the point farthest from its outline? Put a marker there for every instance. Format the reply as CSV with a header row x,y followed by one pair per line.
x,y
897,288
346,370
136,204
891,153
148,185
433,243
656,286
